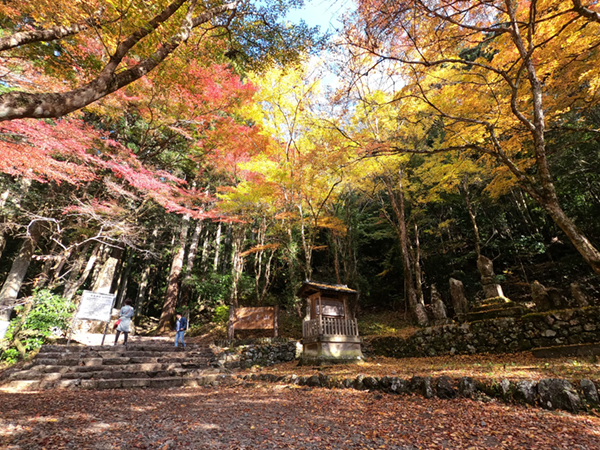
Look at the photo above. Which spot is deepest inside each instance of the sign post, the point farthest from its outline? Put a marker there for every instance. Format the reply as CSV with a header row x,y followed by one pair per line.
x,y
3,328
94,306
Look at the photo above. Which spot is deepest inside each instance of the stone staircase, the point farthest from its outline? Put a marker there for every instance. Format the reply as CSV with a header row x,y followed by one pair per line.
x,y
114,367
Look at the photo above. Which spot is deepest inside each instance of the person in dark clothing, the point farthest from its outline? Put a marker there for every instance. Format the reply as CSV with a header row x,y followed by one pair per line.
x,y
180,327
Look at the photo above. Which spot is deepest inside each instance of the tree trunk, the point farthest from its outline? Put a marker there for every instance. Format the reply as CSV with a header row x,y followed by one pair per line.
x,y
578,239
517,195
546,196
16,275
237,263
23,189
217,248
102,257
3,200
104,282
417,267
17,331
58,267
267,283
44,276
124,280
204,256
143,286
465,193
189,266
417,309
168,310
306,246
118,275
336,257
74,282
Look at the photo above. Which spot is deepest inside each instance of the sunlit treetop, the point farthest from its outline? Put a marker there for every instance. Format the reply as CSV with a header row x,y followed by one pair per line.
x,y
96,48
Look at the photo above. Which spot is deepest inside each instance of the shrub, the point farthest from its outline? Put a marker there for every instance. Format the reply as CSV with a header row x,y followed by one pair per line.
x,y
221,314
48,317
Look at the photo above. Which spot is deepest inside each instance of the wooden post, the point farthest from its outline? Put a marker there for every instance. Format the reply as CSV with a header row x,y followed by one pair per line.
x,y
231,325
276,320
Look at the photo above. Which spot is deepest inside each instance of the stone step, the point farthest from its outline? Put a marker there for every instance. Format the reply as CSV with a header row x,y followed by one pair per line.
x,y
69,362
121,347
125,383
114,353
59,366
100,367
560,351
494,306
102,373
122,351
496,313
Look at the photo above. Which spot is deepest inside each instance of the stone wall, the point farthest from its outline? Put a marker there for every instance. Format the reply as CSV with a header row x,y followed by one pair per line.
x,y
547,329
549,393
262,352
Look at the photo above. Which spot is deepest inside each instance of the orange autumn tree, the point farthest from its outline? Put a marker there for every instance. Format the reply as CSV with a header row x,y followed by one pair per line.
x,y
498,79
98,47
187,111
296,174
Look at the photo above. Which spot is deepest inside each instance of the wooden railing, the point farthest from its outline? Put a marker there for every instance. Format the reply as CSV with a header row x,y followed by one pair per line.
x,y
329,326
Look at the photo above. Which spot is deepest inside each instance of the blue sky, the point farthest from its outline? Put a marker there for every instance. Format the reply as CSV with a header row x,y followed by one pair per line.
x,y
323,13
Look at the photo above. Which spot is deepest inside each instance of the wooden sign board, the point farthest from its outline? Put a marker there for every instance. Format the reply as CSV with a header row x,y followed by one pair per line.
x,y
258,318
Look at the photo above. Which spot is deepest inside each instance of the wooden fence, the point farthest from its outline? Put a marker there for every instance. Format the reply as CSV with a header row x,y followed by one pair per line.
x,y
329,326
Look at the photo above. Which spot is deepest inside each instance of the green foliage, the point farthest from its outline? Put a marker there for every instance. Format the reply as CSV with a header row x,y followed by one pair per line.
x,y
221,314
50,314
383,323
214,288
290,325
49,317
10,356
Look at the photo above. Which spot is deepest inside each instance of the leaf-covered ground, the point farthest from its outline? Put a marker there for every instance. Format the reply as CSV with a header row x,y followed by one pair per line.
x,y
519,366
252,416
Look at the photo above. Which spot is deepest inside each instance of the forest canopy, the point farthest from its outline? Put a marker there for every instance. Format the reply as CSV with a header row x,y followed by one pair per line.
x,y
194,155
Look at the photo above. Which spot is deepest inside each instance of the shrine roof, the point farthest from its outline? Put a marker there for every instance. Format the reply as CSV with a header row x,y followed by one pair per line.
x,y
310,287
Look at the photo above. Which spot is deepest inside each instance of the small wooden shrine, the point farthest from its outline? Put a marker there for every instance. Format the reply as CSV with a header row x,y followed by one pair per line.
x,y
329,333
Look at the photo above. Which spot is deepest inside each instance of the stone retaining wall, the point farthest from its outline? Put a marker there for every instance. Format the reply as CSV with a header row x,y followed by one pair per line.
x,y
549,393
547,329
263,352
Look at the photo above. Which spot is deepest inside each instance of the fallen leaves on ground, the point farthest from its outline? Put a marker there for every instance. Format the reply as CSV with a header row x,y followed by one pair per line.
x,y
253,416
519,366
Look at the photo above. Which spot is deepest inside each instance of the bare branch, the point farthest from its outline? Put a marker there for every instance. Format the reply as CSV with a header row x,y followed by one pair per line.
x,y
585,12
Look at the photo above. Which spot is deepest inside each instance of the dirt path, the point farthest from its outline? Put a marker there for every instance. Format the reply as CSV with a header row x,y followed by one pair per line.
x,y
278,417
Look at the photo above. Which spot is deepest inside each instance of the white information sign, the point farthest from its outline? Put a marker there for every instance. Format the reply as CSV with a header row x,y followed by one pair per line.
x,y
95,306
3,328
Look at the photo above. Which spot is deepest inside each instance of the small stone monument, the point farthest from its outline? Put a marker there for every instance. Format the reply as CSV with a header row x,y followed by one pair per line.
x,y
491,288
580,300
459,301
540,296
438,307
558,300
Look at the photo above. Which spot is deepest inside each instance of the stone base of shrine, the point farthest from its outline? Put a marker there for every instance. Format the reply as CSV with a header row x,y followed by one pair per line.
x,y
320,350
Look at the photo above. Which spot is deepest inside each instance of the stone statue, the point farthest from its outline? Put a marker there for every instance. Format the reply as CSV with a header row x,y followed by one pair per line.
x,y
491,288
459,301
540,296
580,300
438,307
